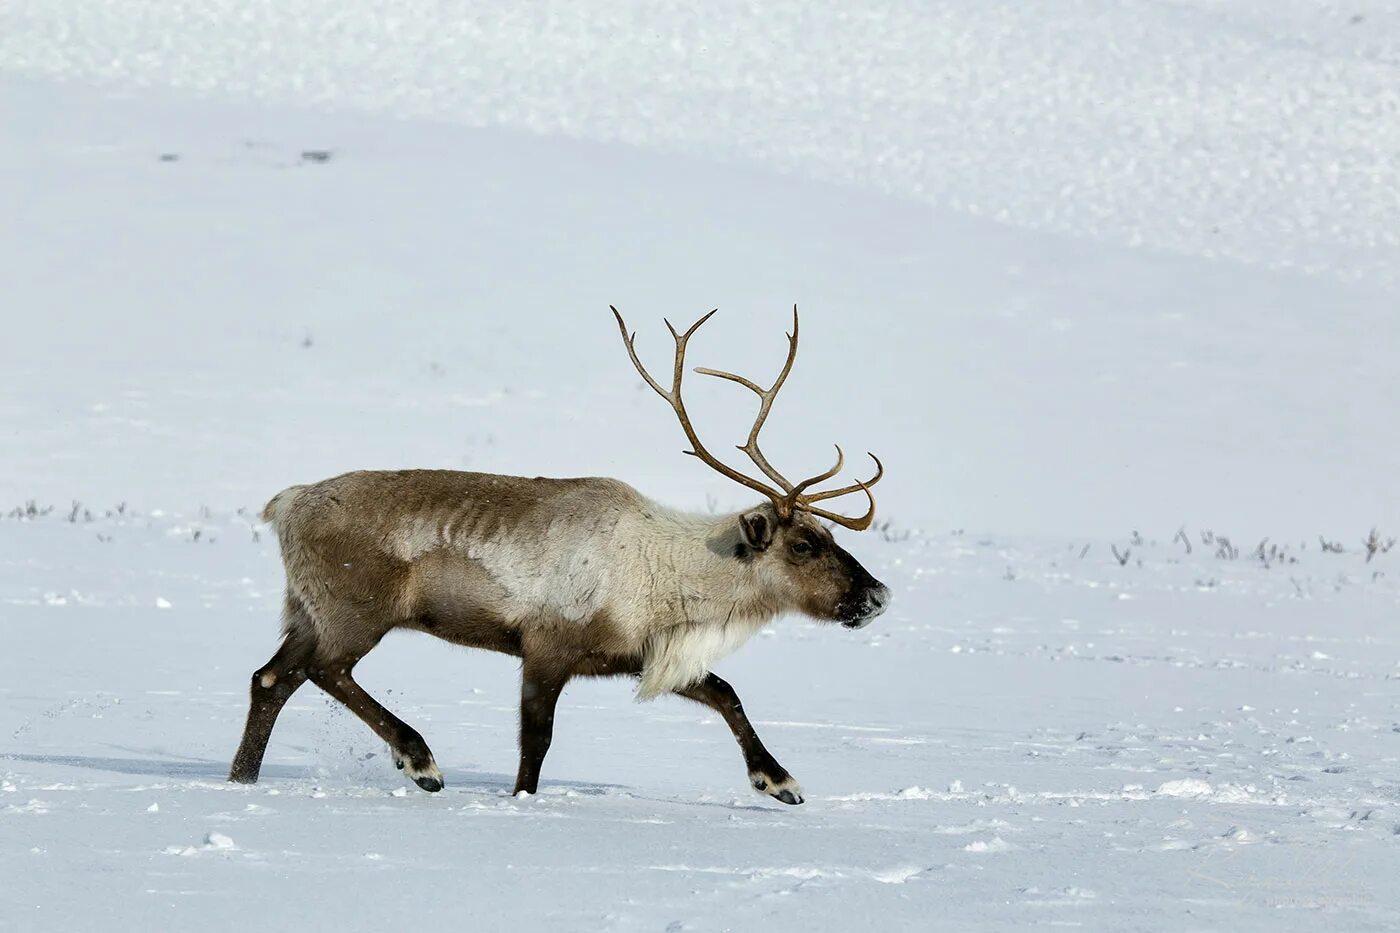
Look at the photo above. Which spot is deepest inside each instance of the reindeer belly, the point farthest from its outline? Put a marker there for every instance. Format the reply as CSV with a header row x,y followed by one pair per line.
x,y
457,599
460,599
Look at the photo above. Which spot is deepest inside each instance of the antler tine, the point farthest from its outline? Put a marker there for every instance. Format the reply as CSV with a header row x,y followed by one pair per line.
x,y
845,521
797,498
673,397
630,341
748,384
750,446
682,338
857,486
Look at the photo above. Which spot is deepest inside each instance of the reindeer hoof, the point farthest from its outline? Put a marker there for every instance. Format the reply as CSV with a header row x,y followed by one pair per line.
x,y
427,776
785,789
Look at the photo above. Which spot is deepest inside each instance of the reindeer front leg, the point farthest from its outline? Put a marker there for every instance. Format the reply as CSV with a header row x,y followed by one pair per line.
x,y
765,774
540,686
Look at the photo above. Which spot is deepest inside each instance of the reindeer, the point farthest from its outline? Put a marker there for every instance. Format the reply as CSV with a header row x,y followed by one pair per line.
x,y
576,577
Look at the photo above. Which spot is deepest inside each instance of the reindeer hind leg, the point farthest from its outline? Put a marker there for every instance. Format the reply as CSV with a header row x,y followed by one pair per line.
x,y
410,751
272,686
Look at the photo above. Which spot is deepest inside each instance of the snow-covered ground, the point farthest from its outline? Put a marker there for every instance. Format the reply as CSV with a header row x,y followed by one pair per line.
x,y
1084,280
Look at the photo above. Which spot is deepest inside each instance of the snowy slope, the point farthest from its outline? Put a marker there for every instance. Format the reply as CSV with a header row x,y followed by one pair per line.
x,y
1124,268
1257,130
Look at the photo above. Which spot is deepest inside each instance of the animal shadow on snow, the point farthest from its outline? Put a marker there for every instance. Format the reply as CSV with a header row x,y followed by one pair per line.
x,y
204,769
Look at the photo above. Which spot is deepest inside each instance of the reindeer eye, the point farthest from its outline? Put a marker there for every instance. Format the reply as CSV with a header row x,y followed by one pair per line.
x,y
801,547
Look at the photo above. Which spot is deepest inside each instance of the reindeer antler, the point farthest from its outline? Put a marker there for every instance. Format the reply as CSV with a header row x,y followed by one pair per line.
x,y
750,446
789,497
674,398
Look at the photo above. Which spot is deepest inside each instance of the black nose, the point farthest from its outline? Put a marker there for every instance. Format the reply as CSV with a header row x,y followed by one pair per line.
x,y
879,597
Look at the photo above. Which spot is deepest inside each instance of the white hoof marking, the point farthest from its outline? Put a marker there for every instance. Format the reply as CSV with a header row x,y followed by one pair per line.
x,y
787,790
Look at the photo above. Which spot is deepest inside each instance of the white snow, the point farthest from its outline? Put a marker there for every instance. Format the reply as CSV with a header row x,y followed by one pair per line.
x,y
1186,787
1109,286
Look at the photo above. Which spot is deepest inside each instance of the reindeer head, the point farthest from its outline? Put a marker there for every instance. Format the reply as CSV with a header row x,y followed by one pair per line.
x,y
794,554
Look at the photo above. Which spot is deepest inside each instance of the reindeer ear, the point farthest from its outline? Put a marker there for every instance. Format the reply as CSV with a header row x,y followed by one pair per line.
x,y
757,529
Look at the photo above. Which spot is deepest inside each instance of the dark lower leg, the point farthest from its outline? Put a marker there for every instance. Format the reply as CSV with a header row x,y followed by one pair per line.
x,y
539,693
273,685
410,751
764,771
